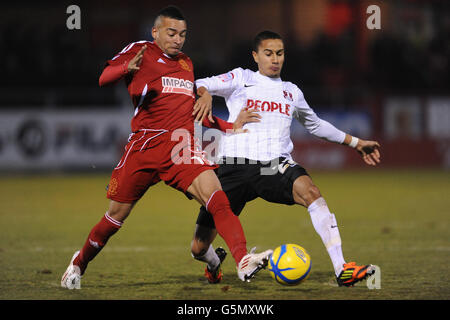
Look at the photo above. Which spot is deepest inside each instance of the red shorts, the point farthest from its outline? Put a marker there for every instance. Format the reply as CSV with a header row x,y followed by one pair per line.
x,y
151,156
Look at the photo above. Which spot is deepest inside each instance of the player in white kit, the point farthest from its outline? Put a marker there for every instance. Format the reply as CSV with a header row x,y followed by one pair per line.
x,y
259,163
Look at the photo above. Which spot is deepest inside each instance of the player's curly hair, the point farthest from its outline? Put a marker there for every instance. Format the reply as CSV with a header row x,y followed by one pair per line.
x,y
264,35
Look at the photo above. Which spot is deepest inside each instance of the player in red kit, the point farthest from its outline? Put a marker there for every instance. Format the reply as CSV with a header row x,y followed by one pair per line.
x,y
160,82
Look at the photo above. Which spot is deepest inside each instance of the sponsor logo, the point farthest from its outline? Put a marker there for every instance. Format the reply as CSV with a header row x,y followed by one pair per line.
x,y
300,254
268,106
175,85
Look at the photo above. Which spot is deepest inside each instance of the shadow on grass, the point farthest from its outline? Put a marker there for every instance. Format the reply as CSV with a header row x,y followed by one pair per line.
x,y
186,284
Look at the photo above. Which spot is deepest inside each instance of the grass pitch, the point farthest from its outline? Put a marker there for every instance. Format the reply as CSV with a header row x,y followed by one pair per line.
x,y
398,220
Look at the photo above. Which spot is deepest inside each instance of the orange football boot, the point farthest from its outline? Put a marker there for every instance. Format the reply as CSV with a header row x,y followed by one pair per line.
x,y
352,274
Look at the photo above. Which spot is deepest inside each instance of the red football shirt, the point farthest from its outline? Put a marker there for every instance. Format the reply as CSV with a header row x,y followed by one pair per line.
x,y
162,90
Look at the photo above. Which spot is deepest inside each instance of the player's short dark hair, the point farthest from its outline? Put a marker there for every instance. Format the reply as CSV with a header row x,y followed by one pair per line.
x,y
264,35
172,12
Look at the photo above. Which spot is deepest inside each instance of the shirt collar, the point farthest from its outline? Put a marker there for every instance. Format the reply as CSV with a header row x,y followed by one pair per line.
x,y
166,55
267,79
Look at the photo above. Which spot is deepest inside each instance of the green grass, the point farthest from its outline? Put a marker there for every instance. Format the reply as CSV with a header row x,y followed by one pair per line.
x,y
398,220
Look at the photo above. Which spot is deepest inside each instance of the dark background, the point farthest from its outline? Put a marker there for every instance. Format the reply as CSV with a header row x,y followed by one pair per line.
x,y
340,65
330,52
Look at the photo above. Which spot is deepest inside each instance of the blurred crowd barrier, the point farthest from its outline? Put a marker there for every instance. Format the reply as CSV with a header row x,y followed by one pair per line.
x,y
63,140
413,132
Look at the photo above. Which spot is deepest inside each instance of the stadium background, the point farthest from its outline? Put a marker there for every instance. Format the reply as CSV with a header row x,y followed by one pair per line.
x,y
392,85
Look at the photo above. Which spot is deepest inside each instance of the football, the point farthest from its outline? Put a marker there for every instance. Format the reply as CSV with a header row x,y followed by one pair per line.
x,y
289,264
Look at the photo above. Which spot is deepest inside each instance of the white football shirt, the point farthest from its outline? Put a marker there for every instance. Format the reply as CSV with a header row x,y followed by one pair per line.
x,y
277,102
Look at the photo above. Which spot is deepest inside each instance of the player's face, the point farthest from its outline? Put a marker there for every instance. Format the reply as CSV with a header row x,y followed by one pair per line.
x,y
270,57
169,35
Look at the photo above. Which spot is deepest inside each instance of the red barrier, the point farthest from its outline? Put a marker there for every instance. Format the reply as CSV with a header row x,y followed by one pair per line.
x,y
396,153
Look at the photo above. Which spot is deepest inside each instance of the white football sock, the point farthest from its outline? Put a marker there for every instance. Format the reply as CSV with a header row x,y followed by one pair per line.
x,y
210,257
325,225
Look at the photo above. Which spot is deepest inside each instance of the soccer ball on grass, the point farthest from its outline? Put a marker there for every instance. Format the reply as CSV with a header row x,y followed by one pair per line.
x,y
290,264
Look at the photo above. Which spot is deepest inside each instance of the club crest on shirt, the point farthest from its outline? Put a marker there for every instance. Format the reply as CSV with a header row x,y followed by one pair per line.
x,y
288,95
112,187
184,65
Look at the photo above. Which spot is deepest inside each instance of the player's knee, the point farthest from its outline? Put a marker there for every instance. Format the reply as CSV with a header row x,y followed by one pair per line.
x,y
197,249
313,194
204,186
119,211
307,195
208,192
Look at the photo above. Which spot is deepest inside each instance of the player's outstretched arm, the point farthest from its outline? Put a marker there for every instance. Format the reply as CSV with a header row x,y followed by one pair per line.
x,y
112,74
369,150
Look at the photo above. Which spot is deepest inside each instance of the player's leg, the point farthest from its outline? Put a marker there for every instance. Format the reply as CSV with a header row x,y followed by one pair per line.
x,y
127,185
201,242
205,231
233,183
108,225
207,190
204,235
191,173
292,184
308,195
99,235
202,250
194,176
